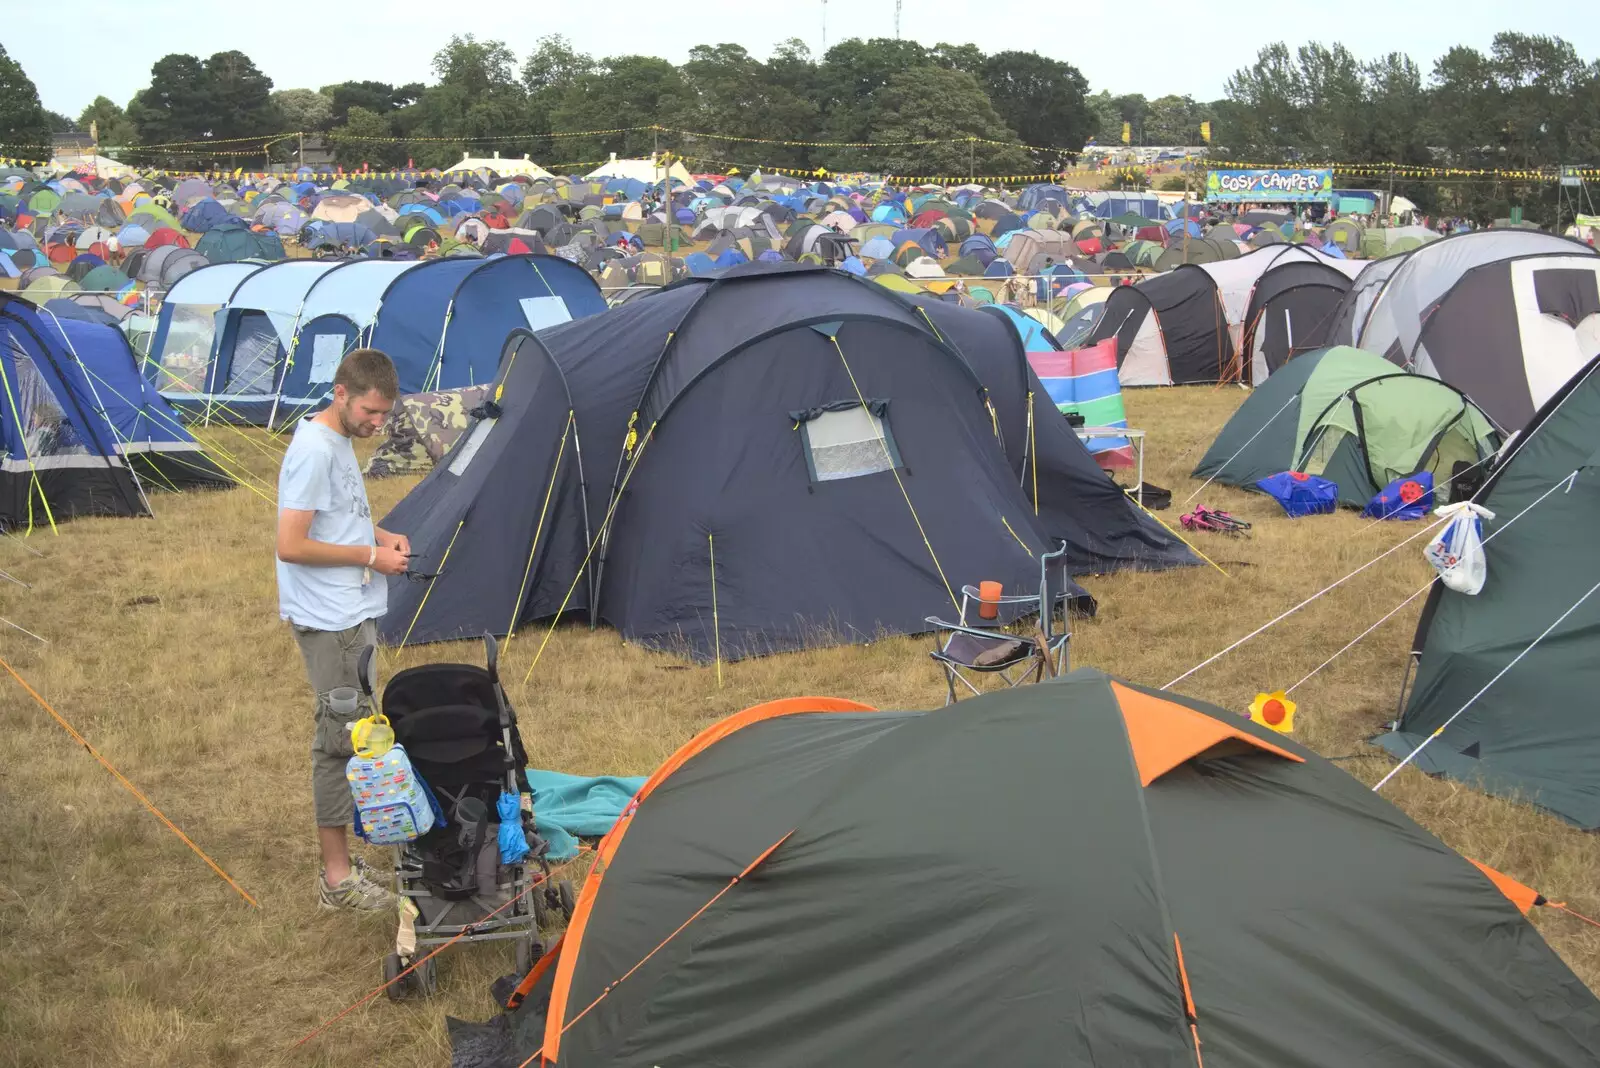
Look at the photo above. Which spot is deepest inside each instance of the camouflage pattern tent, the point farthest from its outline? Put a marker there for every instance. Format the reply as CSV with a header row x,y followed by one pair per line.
x,y
424,427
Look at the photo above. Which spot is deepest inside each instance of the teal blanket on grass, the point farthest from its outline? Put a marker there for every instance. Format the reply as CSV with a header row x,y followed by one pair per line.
x,y
567,807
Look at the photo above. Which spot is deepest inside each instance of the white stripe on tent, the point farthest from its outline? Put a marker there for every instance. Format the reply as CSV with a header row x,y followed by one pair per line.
x,y
58,463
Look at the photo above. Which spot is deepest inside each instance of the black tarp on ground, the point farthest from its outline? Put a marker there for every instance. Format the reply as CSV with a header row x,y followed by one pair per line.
x,y
1170,330
1533,734
710,381
1013,882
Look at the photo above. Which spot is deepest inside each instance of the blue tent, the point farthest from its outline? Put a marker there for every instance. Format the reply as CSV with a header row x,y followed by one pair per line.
x,y
878,248
1177,226
698,263
980,246
444,323
931,240
253,333
203,215
432,214
731,257
889,211
350,235
82,433
998,268
338,308
180,350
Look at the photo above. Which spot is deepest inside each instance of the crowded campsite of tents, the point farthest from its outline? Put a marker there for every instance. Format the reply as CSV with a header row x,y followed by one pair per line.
x,y
1136,613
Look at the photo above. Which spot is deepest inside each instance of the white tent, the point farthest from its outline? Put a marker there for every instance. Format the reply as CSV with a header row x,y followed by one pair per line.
x,y
503,167
641,170
88,163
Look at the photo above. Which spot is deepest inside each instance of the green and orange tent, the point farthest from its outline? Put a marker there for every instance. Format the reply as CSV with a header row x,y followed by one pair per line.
x,y
1086,872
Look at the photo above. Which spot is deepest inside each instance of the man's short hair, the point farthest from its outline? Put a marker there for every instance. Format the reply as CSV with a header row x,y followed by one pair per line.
x,y
365,370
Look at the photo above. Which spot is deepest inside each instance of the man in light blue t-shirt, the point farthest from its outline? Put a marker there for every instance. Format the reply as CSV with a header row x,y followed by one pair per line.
x,y
332,561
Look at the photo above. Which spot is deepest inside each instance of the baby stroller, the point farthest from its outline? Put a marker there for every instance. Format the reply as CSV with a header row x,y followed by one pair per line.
x,y
461,734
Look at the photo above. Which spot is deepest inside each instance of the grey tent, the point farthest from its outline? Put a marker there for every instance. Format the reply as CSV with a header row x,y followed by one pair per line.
x,y
1086,872
1170,330
1510,333
847,459
1532,733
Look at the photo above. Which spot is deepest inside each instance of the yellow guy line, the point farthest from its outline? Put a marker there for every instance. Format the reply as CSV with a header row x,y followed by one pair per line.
x,y
429,591
516,606
134,790
896,472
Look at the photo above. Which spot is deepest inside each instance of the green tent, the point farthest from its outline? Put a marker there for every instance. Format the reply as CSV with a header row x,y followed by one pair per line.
x,y
1532,734
1353,418
1085,872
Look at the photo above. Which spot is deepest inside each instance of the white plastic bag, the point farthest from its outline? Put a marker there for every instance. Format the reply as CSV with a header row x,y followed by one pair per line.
x,y
1456,552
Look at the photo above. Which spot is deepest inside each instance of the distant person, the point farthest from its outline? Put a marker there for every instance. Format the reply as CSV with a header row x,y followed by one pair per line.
x,y
331,566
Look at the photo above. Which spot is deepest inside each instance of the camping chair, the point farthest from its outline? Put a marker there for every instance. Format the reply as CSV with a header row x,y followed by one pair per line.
x,y
981,648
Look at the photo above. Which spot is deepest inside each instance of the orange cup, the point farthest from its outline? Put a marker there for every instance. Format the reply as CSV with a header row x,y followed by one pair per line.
x,y
989,599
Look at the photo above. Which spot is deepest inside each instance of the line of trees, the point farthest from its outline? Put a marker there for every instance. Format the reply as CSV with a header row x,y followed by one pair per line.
x,y
1529,102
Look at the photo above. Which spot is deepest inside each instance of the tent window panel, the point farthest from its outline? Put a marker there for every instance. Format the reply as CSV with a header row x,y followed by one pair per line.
x,y
256,352
469,448
326,352
848,443
46,430
187,349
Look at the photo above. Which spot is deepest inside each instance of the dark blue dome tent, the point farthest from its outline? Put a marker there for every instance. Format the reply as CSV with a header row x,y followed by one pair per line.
x,y
445,322
846,457
81,431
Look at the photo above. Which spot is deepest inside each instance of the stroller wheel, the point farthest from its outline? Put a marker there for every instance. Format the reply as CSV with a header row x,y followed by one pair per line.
x,y
529,950
426,978
541,911
392,967
568,902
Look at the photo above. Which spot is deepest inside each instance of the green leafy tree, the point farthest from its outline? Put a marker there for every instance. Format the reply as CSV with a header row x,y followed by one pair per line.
x,y
476,104
239,98
621,93
1265,118
365,137
379,98
304,110
24,128
949,106
1173,120
1044,100
108,121
851,74
174,107
735,92
962,57
550,71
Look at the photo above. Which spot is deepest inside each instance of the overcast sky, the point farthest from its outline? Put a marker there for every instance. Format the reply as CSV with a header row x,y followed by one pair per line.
x,y
1152,47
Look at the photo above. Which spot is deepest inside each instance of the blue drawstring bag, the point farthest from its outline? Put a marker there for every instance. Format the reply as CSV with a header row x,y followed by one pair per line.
x,y
1410,497
1301,494
513,842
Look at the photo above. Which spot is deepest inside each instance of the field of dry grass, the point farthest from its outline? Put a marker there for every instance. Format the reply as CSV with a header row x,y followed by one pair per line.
x,y
165,650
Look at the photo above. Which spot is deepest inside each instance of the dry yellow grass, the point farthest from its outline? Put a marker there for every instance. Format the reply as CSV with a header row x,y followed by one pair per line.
x,y
166,651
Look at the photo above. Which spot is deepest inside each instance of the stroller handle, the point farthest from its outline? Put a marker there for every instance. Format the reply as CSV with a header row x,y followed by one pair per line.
x,y
491,657
366,669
